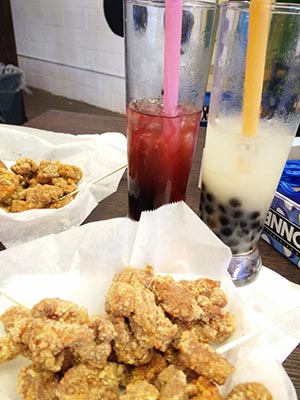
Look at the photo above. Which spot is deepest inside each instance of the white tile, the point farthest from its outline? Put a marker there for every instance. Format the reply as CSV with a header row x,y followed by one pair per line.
x,y
41,82
58,86
74,17
113,64
109,42
87,39
36,49
118,103
89,78
54,16
76,57
56,52
95,19
115,84
68,74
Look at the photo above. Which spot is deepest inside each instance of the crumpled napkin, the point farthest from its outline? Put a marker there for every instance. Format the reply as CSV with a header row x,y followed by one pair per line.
x,y
79,264
97,155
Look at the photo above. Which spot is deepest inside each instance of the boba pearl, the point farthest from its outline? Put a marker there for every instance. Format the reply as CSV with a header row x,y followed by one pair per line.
x,y
236,227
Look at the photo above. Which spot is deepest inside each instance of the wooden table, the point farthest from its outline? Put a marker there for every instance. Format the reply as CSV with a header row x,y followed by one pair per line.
x,y
116,204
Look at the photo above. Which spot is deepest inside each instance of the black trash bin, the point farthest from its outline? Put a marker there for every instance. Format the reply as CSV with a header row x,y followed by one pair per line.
x,y
12,81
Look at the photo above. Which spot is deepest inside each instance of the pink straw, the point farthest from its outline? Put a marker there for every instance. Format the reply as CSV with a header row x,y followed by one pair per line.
x,y
173,25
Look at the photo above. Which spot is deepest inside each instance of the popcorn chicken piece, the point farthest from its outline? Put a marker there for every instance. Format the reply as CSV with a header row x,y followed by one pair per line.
x,y
140,390
172,384
202,359
25,167
82,382
150,371
36,384
249,391
203,389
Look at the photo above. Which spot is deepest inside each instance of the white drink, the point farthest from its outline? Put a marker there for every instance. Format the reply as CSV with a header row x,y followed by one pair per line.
x,y
239,179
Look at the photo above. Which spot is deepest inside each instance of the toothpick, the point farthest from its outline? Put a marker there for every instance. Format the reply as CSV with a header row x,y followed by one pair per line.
x,y
4,294
96,180
256,332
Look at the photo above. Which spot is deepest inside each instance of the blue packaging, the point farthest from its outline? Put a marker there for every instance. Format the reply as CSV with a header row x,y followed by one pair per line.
x,y
282,225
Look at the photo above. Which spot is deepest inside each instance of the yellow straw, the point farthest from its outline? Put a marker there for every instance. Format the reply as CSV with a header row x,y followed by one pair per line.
x,y
259,21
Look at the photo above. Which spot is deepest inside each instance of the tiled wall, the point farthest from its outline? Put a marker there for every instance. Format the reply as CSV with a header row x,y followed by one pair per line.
x,y
67,48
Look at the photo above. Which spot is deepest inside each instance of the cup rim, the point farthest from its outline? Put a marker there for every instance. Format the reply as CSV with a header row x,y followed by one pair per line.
x,y
186,3
278,7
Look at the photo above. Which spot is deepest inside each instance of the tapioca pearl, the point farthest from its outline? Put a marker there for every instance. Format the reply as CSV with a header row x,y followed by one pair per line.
x,y
254,215
243,224
222,208
226,231
208,208
210,197
243,233
224,220
237,214
256,225
233,242
234,202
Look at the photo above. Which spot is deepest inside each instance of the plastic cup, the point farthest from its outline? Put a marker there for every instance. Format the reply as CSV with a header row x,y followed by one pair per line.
x,y
161,145
240,173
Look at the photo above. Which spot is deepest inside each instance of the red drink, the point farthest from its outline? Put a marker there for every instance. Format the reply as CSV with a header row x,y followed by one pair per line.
x,y
160,154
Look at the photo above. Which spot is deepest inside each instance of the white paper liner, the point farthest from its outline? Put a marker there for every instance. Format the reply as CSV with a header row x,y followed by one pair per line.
x,y
78,265
97,155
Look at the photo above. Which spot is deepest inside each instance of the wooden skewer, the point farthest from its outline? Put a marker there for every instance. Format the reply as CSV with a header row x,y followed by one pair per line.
x,y
4,294
96,180
256,332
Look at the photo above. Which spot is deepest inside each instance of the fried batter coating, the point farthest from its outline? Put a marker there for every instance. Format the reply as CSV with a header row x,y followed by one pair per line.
x,y
176,298
12,315
70,172
249,391
9,348
82,382
47,170
172,384
127,348
150,371
47,340
28,185
60,310
140,390
203,389
36,384
202,359
102,327
25,167
10,185
42,196
119,300
148,322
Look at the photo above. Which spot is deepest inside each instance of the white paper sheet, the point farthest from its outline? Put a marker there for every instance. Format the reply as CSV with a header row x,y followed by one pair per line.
x,y
97,155
79,264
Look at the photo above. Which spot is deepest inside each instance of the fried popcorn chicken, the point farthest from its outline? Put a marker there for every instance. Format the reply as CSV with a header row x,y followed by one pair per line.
x,y
36,384
140,390
28,185
202,388
172,384
103,329
10,185
60,310
12,315
249,391
152,343
119,300
150,371
128,350
25,167
202,359
82,382
176,299
146,324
